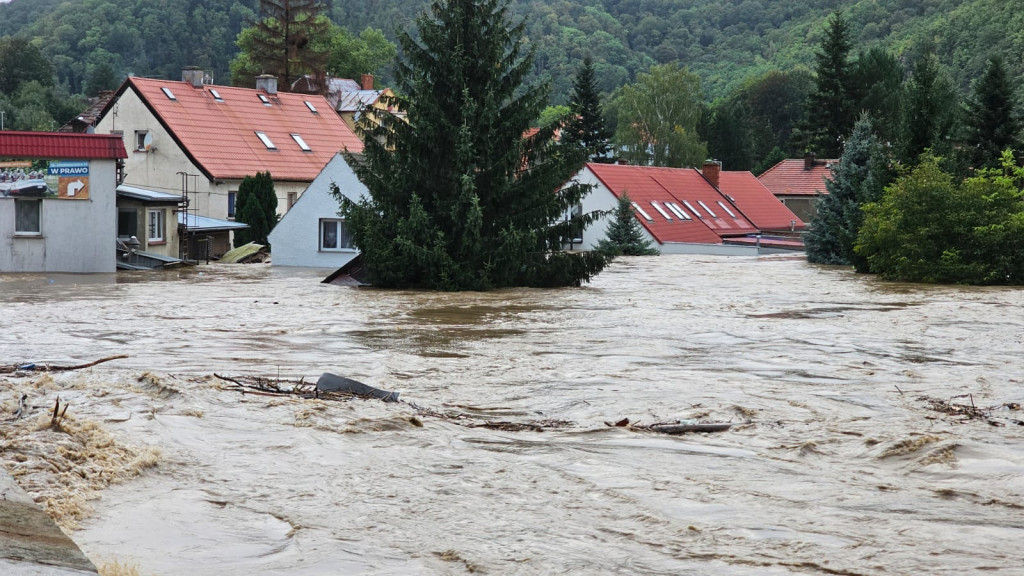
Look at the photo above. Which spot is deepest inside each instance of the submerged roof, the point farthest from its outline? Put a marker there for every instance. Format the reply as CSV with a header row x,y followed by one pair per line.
x,y
231,132
675,204
798,177
755,200
58,145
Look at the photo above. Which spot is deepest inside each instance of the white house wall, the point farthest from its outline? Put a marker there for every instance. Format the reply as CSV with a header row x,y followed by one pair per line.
x,y
295,241
77,235
600,198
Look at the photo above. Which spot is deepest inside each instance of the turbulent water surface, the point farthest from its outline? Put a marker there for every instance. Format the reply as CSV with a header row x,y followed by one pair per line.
x,y
838,464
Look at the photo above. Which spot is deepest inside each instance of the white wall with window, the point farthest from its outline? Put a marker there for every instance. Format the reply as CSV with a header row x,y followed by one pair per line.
x,y
62,235
311,233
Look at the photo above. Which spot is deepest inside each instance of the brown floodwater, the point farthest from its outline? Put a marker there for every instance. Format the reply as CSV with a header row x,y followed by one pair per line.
x,y
837,463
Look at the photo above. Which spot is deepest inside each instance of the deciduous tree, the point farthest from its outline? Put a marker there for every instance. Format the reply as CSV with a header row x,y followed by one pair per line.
x,y
657,118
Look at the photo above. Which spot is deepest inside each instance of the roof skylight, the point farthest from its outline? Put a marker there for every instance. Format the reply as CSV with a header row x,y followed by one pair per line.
x,y
641,211
216,95
705,206
310,106
302,143
263,98
661,210
168,93
692,209
726,208
266,140
678,211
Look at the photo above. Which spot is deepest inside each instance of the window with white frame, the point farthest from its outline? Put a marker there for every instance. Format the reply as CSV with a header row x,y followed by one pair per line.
x,y
28,217
334,236
157,223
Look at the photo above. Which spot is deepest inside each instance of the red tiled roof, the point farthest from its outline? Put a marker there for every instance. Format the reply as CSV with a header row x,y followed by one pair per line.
x,y
57,145
755,200
790,178
220,136
687,189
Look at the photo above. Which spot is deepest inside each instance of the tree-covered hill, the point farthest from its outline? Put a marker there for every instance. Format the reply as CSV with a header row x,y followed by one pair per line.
x,y
723,41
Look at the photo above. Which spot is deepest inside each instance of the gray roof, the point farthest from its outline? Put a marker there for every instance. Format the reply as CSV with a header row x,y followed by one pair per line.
x,y
148,196
352,101
204,224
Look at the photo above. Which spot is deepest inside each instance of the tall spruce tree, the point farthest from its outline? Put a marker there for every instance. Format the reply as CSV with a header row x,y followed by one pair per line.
x,y
859,178
831,111
624,236
992,124
256,205
292,38
929,111
586,126
460,198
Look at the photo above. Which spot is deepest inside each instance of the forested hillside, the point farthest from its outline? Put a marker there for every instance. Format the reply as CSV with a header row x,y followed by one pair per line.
x,y
723,41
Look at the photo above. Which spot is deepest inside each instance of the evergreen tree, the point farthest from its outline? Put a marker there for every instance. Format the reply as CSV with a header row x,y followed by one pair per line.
x,y
586,125
929,111
624,236
831,112
878,90
256,205
291,39
729,135
992,124
858,179
459,197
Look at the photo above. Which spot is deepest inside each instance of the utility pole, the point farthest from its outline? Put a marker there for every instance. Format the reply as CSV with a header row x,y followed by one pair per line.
x,y
1,119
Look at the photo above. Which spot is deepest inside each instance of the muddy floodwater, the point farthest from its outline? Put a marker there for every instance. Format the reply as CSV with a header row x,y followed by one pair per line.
x,y
838,463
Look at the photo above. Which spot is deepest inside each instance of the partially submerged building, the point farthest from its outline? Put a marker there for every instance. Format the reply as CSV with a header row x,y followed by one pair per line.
x,y
312,233
797,183
689,211
58,201
198,141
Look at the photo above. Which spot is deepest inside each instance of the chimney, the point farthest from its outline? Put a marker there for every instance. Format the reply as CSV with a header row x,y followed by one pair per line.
x,y
809,161
267,83
366,82
193,75
711,170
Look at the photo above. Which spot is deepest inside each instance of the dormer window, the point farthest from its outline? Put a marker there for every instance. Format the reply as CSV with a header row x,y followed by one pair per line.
x,y
310,106
266,140
264,99
302,143
168,93
216,95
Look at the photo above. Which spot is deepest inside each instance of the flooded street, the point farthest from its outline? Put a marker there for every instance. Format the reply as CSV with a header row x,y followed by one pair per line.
x,y
836,465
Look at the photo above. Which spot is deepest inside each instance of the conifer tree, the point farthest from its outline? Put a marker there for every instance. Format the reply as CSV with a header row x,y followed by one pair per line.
x,y
292,38
586,125
929,110
831,108
992,123
624,236
459,197
256,205
859,178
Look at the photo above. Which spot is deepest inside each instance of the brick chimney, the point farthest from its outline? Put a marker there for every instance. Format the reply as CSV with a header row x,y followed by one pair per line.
x,y
366,82
193,75
809,161
267,83
712,168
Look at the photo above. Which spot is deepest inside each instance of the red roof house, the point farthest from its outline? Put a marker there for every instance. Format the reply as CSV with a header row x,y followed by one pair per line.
x,y
797,183
190,138
681,209
766,211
